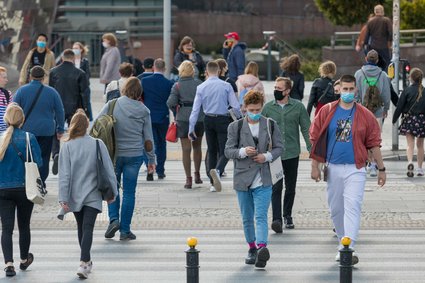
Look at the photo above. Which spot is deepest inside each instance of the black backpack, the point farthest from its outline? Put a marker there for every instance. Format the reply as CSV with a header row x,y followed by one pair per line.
x,y
115,93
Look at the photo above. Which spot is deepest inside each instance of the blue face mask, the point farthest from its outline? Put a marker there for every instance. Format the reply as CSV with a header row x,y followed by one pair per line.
x,y
76,51
347,97
41,44
254,117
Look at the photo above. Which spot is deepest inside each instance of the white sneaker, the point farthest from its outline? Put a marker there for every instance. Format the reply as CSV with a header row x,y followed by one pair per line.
x,y
419,172
355,259
373,172
215,175
368,167
89,266
212,189
84,270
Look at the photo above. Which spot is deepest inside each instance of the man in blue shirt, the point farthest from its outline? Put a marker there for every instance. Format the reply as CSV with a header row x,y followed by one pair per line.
x,y
215,97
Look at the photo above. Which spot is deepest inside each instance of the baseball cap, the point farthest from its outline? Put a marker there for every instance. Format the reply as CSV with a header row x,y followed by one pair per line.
x,y
232,34
372,56
37,72
148,63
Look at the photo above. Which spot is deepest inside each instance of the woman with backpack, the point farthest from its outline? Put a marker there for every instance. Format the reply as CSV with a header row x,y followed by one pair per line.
x,y
322,90
78,179
411,106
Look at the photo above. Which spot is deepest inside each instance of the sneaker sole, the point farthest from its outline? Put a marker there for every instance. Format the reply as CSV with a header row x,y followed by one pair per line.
x,y
262,258
110,234
82,275
410,169
289,226
216,180
30,260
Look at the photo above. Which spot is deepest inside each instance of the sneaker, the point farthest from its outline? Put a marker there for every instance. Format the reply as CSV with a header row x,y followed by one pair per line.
x,y
419,172
368,167
83,270
161,176
149,177
89,266
127,236
30,259
263,255
355,258
113,227
55,164
212,189
277,226
289,224
10,271
410,169
215,175
252,256
373,171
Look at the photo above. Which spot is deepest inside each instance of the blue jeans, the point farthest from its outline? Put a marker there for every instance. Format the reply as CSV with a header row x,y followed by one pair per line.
x,y
128,167
159,133
255,203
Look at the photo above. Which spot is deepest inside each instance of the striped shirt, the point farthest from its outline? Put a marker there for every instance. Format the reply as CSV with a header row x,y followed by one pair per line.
x,y
4,101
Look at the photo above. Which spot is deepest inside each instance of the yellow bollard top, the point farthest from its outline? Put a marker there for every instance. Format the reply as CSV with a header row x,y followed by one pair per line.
x,y
346,241
192,242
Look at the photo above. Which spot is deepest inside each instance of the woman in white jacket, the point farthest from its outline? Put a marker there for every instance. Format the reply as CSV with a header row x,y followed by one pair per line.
x,y
78,191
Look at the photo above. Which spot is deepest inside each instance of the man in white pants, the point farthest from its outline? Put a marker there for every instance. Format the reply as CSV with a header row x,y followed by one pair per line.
x,y
341,135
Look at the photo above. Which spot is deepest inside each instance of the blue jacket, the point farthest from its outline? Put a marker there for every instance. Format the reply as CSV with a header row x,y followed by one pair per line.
x,y
47,117
12,167
156,90
235,58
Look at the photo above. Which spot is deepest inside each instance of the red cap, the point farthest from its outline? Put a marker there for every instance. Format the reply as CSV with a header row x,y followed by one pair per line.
x,y
233,35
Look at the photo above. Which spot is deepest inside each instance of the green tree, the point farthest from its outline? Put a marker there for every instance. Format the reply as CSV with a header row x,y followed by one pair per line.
x,y
412,14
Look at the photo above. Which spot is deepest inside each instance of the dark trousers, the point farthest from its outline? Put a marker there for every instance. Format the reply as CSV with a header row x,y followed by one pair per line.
x,y
290,169
86,219
159,133
216,135
56,142
11,201
45,143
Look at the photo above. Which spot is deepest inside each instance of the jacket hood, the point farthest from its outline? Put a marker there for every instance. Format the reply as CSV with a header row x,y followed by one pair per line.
x,y
371,70
132,107
248,80
241,45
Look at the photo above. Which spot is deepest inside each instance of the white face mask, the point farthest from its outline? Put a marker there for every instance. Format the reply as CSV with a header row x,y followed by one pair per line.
x,y
77,51
105,45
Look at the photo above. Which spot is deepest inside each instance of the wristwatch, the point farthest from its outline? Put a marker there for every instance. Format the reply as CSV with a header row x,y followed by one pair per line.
x,y
382,169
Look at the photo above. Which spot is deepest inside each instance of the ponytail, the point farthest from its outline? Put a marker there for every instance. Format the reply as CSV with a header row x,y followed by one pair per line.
x,y
5,141
14,118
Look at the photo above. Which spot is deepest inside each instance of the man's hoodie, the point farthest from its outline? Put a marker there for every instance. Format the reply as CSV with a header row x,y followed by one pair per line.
x,y
235,58
372,73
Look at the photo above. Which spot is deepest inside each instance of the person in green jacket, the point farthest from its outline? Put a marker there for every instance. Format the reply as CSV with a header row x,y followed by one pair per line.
x,y
291,117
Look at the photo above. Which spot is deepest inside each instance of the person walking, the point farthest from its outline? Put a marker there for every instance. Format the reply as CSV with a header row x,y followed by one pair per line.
x,y
6,97
215,97
291,69
181,102
249,80
156,90
222,75
321,91
110,61
412,106
44,115
133,125
126,71
341,134
291,117
13,199
78,192
234,54
248,145
40,55
83,63
187,51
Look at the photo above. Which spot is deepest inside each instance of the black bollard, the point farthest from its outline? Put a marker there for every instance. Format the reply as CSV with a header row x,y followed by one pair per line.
x,y
192,261
346,262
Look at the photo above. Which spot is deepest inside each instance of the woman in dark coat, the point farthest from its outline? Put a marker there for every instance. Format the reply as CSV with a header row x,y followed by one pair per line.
x,y
291,69
186,51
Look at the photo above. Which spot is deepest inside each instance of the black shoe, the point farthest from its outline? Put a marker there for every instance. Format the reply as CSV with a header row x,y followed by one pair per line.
x,y
277,226
161,176
127,236
252,256
263,255
149,177
10,271
30,259
113,227
55,164
288,222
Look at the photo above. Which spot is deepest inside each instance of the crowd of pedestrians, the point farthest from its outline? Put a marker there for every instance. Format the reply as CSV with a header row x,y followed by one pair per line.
x,y
222,99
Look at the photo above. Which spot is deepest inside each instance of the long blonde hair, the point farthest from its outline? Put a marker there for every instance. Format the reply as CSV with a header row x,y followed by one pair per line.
x,y
417,76
79,124
14,118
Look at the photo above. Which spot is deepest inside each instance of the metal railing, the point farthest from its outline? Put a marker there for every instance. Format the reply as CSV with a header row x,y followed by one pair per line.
x,y
349,38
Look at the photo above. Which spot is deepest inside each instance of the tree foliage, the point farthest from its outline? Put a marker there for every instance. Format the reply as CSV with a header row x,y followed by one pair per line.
x,y
412,14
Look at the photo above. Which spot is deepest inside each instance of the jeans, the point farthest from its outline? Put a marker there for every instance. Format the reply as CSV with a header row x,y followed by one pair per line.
x,y
11,201
86,219
45,143
216,135
255,203
129,168
159,133
290,169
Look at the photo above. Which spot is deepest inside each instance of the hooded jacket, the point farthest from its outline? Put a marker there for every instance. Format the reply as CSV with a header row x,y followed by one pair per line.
x,y
235,58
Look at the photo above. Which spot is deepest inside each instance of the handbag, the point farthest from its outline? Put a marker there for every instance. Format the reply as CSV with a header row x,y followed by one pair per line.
x,y
34,187
103,184
171,135
276,169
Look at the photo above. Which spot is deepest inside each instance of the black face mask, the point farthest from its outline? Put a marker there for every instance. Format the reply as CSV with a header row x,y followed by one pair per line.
x,y
278,94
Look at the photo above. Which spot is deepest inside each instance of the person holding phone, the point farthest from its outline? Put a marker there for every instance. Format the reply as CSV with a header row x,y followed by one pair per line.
x,y
234,54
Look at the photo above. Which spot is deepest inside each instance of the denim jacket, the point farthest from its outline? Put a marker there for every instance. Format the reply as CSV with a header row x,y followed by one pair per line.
x,y
12,168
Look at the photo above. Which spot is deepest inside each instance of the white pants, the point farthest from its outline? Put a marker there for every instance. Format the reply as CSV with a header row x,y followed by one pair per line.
x,y
345,197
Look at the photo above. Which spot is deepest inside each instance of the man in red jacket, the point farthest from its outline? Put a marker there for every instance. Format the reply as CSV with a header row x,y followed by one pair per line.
x,y
341,135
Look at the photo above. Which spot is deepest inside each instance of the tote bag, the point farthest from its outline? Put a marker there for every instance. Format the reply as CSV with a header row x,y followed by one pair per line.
x,y
276,169
34,187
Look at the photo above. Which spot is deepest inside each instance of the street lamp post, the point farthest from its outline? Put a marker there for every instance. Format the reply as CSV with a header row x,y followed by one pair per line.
x,y
269,36
396,62
167,36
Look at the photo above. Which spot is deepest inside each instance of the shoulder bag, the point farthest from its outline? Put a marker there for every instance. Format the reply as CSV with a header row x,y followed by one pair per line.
x,y
34,187
103,184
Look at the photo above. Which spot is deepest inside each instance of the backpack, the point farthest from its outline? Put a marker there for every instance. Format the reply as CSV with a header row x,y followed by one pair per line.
x,y
372,99
113,94
103,129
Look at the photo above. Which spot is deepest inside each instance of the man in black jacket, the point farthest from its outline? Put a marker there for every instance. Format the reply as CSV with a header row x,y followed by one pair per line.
x,y
71,84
